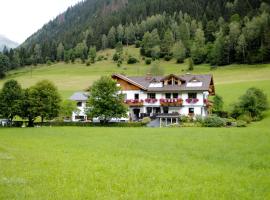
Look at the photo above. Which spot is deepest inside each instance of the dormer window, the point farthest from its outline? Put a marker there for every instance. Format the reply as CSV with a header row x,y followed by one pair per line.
x,y
79,104
172,80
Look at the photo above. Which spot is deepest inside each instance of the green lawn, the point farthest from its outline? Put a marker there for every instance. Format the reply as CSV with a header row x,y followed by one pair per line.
x,y
135,163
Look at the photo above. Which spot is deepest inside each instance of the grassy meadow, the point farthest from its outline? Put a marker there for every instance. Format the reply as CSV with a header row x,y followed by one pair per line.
x,y
137,163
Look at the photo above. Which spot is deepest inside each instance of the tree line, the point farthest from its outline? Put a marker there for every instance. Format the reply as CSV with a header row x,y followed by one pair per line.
x,y
41,101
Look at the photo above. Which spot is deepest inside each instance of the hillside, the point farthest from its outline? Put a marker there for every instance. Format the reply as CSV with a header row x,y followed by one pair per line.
x,y
218,32
231,81
7,42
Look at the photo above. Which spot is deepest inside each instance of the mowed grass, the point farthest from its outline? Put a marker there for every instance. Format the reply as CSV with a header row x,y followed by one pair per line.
x,y
135,163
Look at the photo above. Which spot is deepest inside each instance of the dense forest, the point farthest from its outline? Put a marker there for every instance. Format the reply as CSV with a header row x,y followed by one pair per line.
x,y
219,32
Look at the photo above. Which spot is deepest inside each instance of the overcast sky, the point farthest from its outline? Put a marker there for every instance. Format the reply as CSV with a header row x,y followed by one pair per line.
x,y
21,18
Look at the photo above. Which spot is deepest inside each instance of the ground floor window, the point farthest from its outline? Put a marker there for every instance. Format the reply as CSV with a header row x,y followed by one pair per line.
x,y
79,117
191,111
166,110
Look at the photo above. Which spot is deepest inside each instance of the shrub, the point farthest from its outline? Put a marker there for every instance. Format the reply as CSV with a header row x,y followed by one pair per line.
x,y
245,117
115,57
137,44
146,120
214,121
254,102
167,58
184,118
100,58
88,63
241,123
132,60
199,119
148,61
49,63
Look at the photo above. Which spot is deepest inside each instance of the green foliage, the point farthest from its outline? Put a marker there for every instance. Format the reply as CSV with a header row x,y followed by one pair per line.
x,y
4,65
41,100
106,101
66,108
190,64
148,61
146,120
240,123
213,121
11,98
253,103
179,51
218,103
92,54
132,60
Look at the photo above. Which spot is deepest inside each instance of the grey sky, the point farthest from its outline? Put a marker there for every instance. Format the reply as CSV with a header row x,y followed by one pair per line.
x,y
21,18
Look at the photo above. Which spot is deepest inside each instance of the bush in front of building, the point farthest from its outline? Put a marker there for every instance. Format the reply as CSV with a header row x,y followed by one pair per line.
x,y
214,121
146,120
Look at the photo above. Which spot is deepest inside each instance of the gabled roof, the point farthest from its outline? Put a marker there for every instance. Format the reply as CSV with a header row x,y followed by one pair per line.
x,y
80,96
143,82
170,76
138,84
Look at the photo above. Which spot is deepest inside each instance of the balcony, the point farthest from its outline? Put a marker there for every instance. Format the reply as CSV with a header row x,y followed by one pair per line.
x,y
171,102
134,102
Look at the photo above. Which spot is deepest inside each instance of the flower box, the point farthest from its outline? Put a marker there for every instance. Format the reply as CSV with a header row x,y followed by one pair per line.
x,y
171,102
150,101
134,102
192,101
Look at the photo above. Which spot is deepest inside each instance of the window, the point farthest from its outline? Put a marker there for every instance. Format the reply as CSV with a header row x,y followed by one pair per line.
x,y
168,95
151,95
191,111
192,95
149,110
165,110
170,82
79,104
136,96
175,95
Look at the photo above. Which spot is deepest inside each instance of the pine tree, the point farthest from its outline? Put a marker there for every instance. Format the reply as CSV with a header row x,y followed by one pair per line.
x,y
112,37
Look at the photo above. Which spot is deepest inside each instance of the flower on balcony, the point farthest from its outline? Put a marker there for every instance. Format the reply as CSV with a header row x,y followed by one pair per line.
x,y
133,101
191,100
148,100
170,100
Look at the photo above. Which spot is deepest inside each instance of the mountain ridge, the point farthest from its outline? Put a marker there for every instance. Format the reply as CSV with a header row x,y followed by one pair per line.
x,y
4,41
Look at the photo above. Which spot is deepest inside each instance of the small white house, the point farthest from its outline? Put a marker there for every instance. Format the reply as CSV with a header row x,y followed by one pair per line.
x,y
80,98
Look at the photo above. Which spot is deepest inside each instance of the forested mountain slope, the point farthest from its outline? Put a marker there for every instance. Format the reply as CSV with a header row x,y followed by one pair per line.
x,y
218,32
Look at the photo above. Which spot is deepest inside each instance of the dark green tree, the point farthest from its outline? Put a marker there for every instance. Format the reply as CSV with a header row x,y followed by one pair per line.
x,y
11,98
106,100
253,103
41,100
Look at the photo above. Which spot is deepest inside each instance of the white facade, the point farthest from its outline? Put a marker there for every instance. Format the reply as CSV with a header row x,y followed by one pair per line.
x,y
79,114
198,107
